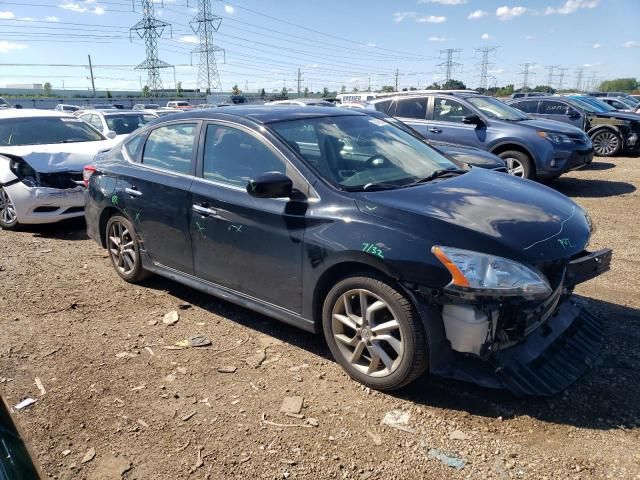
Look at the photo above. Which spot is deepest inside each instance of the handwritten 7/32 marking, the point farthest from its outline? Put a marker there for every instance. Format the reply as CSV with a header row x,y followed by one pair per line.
x,y
372,249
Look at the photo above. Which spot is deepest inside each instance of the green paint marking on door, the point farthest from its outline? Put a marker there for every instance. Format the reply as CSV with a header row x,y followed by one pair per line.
x,y
137,218
114,199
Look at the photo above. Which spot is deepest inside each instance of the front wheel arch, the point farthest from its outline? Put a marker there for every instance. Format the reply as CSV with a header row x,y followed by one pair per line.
x,y
613,131
506,147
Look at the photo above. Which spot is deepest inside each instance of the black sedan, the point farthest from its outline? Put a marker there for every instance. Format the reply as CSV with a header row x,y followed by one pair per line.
x,y
335,221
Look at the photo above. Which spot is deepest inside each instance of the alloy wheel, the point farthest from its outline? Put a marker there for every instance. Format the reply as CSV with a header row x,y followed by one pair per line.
x,y
7,209
122,248
367,333
514,167
606,143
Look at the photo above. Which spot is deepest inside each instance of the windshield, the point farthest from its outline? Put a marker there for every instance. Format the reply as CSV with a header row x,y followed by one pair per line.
x,y
4,103
494,108
125,124
626,101
46,131
360,152
584,105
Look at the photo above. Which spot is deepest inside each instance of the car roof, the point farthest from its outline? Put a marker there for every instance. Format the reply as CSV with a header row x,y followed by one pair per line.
x,y
109,112
425,94
265,113
31,112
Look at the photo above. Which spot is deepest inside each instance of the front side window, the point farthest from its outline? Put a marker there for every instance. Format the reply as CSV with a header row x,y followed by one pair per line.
x,y
46,131
234,157
171,147
412,108
448,110
357,152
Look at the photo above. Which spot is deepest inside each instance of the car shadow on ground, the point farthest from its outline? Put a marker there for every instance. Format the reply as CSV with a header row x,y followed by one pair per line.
x,y
597,165
72,229
582,187
606,397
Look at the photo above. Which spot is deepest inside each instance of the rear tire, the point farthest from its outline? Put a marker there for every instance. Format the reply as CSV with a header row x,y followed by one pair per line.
x,y
518,164
124,249
606,143
386,348
8,216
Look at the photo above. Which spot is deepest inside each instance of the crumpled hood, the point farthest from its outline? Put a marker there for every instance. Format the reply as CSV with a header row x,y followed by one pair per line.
x,y
551,126
488,211
59,157
630,117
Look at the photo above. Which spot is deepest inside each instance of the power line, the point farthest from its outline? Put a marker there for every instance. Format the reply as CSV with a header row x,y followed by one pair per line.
x,y
150,29
449,64
205,24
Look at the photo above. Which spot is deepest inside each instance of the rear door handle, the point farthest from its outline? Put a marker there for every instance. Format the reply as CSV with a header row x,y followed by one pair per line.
x,y
134,192
435,130
205,211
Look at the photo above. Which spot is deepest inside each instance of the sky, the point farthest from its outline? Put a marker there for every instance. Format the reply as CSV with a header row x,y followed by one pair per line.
x,y
352,43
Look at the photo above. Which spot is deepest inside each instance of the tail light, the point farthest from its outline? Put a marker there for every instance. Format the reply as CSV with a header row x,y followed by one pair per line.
x,y
86,174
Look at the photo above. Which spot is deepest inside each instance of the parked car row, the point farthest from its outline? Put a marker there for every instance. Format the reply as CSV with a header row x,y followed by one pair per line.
x,y
345,222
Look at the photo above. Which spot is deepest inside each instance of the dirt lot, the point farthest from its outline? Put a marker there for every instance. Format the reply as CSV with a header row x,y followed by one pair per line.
x,y
97,345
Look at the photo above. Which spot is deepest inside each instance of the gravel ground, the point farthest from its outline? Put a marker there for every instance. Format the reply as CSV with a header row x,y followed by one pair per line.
x,y
119,404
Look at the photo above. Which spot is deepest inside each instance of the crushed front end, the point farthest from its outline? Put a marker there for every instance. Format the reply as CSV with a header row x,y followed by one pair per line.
x,y
534,344
43,197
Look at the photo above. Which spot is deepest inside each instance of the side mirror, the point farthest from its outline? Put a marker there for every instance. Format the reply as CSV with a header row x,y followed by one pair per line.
x,y
111,134
472,119
18,106
574,115
270,185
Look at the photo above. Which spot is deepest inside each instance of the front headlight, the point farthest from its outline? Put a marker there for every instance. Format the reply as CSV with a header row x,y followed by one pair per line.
x,y
555,137
481,274
25,173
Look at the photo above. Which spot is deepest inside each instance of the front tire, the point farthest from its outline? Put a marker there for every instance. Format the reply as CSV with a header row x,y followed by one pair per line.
x,y
606,143
8,215
518,164
374,333
124,249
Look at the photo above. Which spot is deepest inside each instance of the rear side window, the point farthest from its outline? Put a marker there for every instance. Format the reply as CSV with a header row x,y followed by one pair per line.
x,y
551,107
527,106
412,108
133,147
383,106
171,147
234,157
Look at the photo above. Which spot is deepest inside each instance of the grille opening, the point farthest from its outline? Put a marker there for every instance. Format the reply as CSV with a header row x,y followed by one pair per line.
x,y
45,209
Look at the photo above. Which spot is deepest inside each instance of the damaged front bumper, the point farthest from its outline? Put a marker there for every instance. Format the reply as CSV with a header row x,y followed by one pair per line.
x,y
36,205
535,351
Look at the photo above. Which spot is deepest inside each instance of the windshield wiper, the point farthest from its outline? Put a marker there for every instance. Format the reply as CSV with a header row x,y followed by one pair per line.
x,y
438,174
369,187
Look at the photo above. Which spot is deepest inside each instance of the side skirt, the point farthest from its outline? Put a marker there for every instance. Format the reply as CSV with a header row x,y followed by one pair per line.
x,y
247,301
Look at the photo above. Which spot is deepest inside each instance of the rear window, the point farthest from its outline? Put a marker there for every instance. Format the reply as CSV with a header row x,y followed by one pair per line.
x,y
125,124
46,131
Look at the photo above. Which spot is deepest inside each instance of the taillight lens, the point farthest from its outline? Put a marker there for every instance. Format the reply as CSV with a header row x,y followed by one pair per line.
x,y
86,174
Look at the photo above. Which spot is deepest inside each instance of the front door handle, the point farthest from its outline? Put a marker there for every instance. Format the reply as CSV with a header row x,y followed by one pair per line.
x,y
133,192
435,130
205,211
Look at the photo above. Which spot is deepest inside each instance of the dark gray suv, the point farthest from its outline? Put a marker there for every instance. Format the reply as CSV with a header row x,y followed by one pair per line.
x,y
531,148
610,132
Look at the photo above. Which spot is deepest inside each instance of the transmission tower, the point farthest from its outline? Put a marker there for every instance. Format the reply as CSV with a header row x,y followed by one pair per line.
x,y
205,24
551,69
579,74
526,73
449,64
561,79
150,29
484,64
